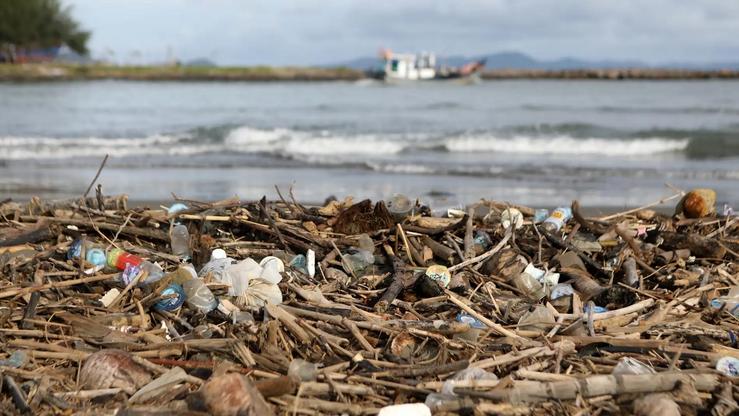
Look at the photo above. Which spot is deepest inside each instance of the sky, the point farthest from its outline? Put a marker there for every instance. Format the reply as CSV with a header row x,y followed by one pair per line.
x,y
315,32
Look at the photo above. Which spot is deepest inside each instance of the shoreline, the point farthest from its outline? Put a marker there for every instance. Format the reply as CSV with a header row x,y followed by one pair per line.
x,y
66,72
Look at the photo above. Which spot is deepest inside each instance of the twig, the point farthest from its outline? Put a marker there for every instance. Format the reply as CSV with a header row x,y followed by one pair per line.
x,y
100,169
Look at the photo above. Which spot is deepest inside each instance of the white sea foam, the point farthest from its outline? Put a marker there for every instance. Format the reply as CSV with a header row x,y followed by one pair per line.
x,y
565,145
325,147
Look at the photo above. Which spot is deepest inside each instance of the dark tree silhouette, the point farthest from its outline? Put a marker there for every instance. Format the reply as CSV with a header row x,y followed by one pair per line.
x,y
30,24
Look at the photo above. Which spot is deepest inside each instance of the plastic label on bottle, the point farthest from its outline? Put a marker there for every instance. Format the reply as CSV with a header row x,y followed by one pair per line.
x,y
470,320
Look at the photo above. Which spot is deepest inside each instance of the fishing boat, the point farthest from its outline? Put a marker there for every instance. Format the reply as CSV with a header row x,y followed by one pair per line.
x,y
401,67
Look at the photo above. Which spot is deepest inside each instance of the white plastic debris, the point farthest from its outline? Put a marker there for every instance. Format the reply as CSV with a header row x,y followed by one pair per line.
x,y
109,297
310,258
544,277
408,409
511,216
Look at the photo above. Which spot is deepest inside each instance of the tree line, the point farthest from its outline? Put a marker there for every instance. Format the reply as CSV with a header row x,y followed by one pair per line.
x,y
27,25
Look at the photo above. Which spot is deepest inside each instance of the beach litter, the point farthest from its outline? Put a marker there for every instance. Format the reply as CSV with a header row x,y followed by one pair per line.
x,y
273,307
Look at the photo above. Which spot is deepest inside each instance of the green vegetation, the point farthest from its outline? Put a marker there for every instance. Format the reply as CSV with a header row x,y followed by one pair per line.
x,y
39,24
34,72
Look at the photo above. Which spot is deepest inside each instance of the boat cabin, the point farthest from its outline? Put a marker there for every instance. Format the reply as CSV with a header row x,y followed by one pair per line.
x,y
409,66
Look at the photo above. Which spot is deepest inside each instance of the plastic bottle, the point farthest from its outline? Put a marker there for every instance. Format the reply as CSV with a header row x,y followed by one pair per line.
x,y
728,366
399,206
731,300
540,215
93,254
628,365
198,296
447,389
529,286
180,241
153,271
120,259
217,265
559,218
302,370
360,261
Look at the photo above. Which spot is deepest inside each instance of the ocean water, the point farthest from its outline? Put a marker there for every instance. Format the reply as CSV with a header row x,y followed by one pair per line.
x,y
541,143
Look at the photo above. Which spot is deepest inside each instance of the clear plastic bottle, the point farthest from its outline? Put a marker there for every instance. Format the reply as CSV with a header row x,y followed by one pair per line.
x,y
216,267
557,220
180,241
628,365
198,296
302,370
359,261
529,286
731,300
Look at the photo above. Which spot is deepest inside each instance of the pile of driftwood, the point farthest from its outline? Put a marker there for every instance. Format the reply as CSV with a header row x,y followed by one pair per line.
x,y
627,313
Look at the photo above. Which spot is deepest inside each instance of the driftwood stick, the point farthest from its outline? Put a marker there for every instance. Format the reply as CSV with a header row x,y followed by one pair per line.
x,y
26,290
97,175
651,204
492,325
485,255
401,280
439,250
469,238
601,385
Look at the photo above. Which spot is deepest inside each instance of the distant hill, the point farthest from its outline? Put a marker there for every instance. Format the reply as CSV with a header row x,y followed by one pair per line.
x,y
518,60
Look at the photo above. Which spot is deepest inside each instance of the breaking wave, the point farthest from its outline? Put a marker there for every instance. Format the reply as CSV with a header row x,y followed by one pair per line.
x,y
340,147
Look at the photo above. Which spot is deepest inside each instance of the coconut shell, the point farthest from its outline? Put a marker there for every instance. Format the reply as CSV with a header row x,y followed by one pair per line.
x,y
233,395
113,369
403,345
697,203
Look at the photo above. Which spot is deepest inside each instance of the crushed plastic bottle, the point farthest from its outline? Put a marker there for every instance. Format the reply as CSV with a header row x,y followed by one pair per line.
x,y
728,366
154,273
180,241
447,389
360,261
17,359
217,265
731,300
540,319
198,296
529,286
628,365
476,327
303,370
557,220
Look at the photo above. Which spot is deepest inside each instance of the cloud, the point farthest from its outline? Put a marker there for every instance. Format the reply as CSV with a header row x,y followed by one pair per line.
x,y
284,32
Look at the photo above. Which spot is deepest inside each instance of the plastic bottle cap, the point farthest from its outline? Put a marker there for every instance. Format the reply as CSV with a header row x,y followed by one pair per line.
x,y
218,254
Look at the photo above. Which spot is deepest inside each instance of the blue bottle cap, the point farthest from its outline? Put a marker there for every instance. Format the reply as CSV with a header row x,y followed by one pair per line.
x,y
171,303
96,256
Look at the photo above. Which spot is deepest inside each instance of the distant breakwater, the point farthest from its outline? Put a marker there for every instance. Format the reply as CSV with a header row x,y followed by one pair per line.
x,y
48,72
